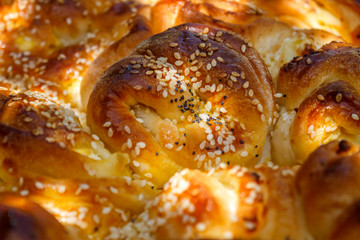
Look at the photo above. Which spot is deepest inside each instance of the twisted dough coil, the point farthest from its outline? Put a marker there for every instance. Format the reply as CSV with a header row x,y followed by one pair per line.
x,y
48,46
321,103
262,202
83,182
79,177
205,81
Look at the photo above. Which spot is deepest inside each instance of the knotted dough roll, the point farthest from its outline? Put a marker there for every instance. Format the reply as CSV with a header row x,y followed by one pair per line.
x,y
193,96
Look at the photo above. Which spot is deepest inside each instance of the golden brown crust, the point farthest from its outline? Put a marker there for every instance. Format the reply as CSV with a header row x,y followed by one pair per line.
x,y
228,203
204,81
319,101
79,176
328,183
23,219
49,47
139,31
299,78
328,114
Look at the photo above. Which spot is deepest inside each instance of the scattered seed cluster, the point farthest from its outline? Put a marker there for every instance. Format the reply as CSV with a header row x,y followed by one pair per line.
x,y
182,80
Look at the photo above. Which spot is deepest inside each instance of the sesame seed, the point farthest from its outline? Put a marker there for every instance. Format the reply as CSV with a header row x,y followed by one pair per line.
x,y
338,97
220,59
202,145
260,108
233,78
141,144
202,45
136,163
206,30
223,110
244,154
308,61
165,93
219,34
127,129
62,145
113,190
177,55
140,120
242,75
249,225
107,124
179,63
355,116
213,62
200,226
149,72
208,66
24,192
68,21
173,44
202,54
278,95
106,210
194,68
320,97
39,185
251,93
230,83
246,84
129,143
110,132
28,119
169,146
243,48
263,118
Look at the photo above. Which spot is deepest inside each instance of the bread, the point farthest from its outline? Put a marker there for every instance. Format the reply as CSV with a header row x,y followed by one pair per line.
x,y
262,202
206,116
158,119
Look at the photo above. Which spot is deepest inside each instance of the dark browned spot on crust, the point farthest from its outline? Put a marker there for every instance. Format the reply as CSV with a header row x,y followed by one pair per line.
x,y
343,146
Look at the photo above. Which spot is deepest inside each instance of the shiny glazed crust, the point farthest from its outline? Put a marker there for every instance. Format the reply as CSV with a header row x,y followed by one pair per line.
x,y
205,81
186,119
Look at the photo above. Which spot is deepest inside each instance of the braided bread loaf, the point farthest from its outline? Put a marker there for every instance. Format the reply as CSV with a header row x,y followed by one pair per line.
x,y
179,119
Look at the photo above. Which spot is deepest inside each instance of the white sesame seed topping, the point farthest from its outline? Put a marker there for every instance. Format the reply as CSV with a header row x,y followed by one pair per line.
x,y
165,94
246,84
141,144
110,132
107,124
127,129
169,145
220,59
355,116
68,21
113,190
244,154
223,110
39,185
173,44
243,48
320,97
338,97
24,192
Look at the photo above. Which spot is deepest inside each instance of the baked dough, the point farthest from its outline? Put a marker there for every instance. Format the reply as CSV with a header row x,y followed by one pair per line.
x,y
151,119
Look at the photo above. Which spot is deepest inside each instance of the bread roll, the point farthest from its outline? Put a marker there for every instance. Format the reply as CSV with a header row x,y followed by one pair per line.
x,y
192,96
